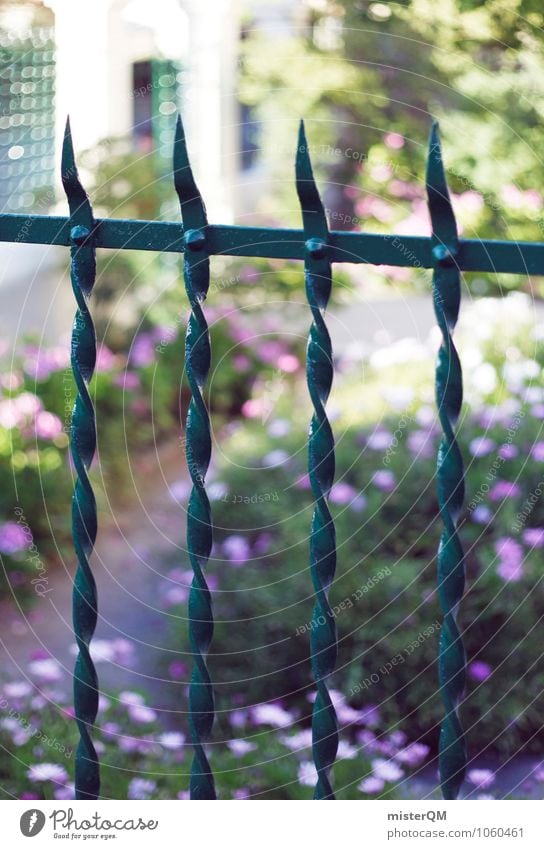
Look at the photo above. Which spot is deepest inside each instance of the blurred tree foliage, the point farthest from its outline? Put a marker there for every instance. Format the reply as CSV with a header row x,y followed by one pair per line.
x,y
369,77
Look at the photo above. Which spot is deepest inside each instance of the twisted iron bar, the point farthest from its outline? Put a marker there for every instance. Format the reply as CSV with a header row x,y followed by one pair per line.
x,y
450,473
196,270
319,373
83,446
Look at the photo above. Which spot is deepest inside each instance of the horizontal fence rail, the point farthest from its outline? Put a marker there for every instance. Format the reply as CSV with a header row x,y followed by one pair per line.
x,y
270,243
442,251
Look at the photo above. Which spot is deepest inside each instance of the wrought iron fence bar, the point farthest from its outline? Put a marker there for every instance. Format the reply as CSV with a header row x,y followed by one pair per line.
x,y
279,243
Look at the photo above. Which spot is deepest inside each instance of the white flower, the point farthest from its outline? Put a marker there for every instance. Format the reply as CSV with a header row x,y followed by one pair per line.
x,y
17,689
386,770
307,774
47,772
241,747
271,714
301,740
346,751
172,740
47,669
141,713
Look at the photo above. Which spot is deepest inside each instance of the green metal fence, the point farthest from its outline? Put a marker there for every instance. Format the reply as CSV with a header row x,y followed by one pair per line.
x,y
318,248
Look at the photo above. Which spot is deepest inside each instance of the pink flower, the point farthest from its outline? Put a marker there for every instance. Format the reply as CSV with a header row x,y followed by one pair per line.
x,y
47,425
510,554
479,670
342,493
504,489
394,141
253,408
127,380
105,359
508,451
533,537
288,363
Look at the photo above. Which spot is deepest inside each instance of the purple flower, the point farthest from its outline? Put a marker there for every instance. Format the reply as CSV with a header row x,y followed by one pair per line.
x,y
177,670
142,352
48,670
237,549
420,443
504,489
342,493
371,785
481,446
481,514
379,440
413,754
13,538
479,670
66,792
141,788
481,777
537,411
384,480
537,452
533,537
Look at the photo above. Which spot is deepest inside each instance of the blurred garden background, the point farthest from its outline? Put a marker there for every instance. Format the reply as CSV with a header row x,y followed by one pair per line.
x,y
368,78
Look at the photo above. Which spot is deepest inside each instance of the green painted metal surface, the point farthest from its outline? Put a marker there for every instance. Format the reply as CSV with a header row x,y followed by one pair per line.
x,y
83,447
319,372
198,441
318,248
449,470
